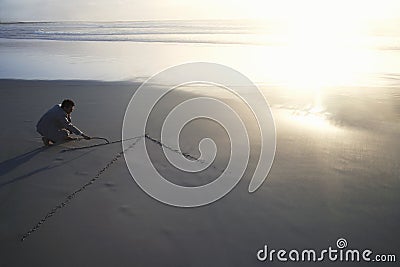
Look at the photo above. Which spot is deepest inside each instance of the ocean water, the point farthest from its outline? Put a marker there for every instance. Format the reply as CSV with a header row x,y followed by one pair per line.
x,y
266,51
219,32
314,75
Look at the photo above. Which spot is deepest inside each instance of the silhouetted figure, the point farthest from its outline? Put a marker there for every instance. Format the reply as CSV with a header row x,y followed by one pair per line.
x,y
55,125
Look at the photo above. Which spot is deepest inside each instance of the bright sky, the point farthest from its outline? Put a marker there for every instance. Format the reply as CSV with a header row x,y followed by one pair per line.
x,y
48,10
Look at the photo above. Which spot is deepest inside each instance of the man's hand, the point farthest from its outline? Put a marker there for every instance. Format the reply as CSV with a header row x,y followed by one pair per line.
x,y
86,137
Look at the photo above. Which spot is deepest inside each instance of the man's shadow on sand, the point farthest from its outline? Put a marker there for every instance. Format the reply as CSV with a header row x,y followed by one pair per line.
x,y
10,164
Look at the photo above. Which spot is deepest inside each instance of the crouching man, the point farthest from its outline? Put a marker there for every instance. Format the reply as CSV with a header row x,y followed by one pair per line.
x,y
55,125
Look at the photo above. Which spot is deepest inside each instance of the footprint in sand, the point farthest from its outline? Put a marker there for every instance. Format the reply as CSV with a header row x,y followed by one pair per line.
x,y
126,209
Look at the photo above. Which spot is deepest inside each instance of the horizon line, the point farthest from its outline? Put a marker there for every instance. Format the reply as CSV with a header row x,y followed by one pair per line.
x,y
141,20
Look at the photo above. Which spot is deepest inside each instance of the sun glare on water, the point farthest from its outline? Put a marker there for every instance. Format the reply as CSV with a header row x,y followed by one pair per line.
x,y
323,45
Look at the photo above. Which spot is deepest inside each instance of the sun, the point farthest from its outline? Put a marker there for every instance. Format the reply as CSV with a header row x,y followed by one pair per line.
x,y
323,44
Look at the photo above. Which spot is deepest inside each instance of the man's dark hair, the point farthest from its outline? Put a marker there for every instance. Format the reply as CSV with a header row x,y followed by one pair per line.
x,y
67,103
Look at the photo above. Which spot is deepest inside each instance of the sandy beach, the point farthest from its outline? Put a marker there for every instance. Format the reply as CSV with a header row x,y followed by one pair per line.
x,y
335,175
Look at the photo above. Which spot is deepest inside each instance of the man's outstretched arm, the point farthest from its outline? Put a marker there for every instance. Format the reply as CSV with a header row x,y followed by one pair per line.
x,y
67,124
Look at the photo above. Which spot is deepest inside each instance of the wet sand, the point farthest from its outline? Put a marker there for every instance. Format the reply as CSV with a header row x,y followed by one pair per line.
x,y
335,174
